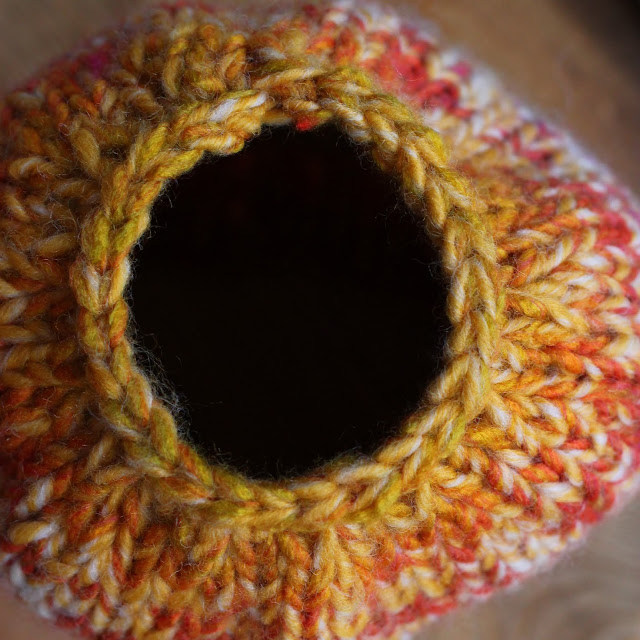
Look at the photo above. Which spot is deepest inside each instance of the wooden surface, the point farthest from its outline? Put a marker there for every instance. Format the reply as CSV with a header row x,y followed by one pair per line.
x,y
579,62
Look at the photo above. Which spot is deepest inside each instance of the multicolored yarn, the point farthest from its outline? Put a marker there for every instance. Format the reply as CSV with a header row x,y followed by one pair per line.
x,y
115,525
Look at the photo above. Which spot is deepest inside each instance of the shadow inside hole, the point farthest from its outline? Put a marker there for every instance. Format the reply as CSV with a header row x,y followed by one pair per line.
x,y
291,300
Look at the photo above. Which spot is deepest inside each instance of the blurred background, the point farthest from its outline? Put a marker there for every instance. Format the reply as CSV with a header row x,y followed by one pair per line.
x,y
577,61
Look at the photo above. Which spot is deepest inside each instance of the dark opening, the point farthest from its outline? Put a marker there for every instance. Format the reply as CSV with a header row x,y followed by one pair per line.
x,y
290,302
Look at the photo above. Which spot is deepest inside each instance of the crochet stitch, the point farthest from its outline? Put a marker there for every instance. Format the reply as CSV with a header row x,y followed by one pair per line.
x,y
530,434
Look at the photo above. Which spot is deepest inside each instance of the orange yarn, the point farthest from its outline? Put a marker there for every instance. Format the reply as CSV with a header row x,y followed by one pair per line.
x,y
531,432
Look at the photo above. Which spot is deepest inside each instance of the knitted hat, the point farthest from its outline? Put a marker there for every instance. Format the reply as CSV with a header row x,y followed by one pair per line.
x,y
114,523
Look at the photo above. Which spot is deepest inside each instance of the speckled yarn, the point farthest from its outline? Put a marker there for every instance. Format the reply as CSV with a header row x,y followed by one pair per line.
x,y
115,525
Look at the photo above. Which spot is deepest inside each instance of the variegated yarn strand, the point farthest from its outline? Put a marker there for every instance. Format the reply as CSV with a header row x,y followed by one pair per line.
x,y
115,525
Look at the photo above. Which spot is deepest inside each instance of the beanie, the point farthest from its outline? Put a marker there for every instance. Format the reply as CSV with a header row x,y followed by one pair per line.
x,y
115,523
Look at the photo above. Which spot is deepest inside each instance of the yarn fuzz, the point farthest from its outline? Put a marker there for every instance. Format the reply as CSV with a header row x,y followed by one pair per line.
x,y
116,525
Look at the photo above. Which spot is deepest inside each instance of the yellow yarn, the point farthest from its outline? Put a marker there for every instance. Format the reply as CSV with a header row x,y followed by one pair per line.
x,y
530,433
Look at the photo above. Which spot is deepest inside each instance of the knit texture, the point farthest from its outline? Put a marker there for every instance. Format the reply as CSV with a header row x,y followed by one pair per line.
x,y
116,525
